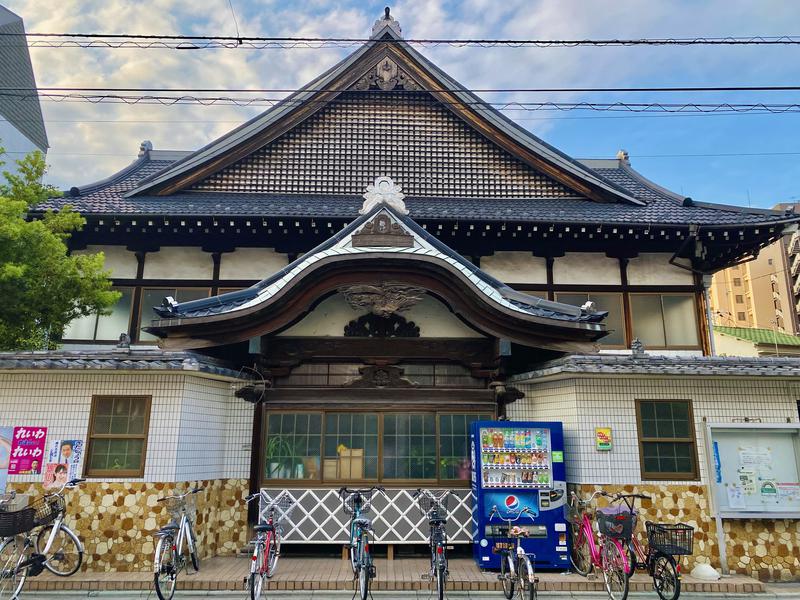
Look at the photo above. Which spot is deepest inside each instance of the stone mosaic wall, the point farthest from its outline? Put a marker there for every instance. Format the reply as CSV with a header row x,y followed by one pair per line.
x,y
116,520
768,550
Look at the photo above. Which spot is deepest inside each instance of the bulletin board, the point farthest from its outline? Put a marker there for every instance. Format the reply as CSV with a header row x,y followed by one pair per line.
x,y
754,469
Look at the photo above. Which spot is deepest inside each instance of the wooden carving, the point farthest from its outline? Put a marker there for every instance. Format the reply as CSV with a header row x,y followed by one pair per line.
x,y
389,326
383,299
379,377
386,76
382,232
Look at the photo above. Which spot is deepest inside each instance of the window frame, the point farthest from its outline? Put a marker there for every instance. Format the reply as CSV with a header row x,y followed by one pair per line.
x,y
137,326
90,438
660,295
691,439
623,328
380,480
93,339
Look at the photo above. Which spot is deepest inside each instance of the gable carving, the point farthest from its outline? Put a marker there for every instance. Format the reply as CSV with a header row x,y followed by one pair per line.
x,y
380,376
382,299
377,326
408,136
386,76
382,232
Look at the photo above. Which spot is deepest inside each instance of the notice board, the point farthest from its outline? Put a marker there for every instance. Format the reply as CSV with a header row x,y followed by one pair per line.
x,y
754,469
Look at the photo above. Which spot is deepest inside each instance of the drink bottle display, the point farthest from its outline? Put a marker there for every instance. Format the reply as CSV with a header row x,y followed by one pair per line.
x,y
515,457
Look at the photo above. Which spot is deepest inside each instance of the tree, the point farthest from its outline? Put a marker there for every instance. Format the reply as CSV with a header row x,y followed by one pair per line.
x,y
42,286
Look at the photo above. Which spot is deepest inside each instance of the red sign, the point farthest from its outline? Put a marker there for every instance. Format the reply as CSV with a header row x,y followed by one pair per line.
x,y
27,450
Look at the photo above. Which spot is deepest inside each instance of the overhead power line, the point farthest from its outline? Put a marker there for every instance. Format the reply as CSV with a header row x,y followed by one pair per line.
x,y
205,42
729,88
633,107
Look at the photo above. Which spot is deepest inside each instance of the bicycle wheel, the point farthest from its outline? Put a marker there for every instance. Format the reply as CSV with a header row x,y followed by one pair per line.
x,y
441,576
257,572
13,552
65,555
353,552
630,550
505,576
665,577
165,566
273,554
581,553
614,570
527,581
365,564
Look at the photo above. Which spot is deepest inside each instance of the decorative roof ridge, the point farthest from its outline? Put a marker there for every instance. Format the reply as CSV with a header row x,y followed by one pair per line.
x,y
146,155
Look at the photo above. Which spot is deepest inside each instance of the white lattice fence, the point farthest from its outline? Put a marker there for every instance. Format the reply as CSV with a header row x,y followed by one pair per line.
x,y
318,517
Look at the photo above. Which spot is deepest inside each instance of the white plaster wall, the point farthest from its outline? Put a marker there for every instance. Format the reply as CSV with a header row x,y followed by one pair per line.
x,y
610,402
654,269
119,260
515,267
198,429
329,318
16,145
586,268
178,262
251,263
726,345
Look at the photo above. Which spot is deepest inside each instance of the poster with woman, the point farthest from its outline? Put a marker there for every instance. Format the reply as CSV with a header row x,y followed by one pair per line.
x,y
6,434
55,476
67,453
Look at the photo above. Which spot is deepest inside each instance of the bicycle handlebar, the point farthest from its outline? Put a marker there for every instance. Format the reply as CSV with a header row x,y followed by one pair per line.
x,y
374,488
524,511
179,496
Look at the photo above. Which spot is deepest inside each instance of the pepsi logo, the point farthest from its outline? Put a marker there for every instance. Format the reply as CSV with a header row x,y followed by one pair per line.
x,y
512,502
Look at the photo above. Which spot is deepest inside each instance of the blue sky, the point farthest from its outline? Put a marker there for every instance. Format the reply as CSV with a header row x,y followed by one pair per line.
x,y
92,141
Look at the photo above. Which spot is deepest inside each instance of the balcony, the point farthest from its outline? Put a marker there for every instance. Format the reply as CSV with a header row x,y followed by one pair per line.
x,y
795,268
796,287
794,243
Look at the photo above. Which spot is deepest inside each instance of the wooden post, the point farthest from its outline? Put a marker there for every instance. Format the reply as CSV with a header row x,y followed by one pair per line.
x,y
345,553
390,552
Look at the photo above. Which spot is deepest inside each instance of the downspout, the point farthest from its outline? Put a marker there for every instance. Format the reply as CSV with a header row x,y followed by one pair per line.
x,y
710,323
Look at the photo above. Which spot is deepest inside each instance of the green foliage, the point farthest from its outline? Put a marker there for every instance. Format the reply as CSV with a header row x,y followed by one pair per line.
x,y
42,287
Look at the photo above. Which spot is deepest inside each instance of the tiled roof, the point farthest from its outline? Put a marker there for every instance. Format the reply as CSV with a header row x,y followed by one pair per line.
x,y
662,207
759,336
119,359
684,366
16,72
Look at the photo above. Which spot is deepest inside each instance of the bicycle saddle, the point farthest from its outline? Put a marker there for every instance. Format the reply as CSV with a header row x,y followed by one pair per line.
x,y
363,522
168,528
437,520
264,527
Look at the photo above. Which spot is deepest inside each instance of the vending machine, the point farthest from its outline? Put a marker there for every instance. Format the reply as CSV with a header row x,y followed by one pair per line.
x,y
517,465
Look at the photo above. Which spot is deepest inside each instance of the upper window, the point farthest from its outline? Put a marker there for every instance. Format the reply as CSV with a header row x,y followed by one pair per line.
x,y
737,281
739,299
103,327
155,296
665,321
118,436
615,322
667,444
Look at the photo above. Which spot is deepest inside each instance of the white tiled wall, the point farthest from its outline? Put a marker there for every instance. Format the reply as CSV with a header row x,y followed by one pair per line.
x,y
585,403
198,429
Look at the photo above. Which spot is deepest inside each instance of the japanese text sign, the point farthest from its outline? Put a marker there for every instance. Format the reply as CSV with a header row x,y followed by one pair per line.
x,y
27,450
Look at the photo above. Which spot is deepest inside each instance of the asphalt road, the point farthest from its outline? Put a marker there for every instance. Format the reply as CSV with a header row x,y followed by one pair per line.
x,y
774,592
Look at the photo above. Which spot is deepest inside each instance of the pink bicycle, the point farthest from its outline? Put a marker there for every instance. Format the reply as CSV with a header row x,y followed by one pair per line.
x,y
607,552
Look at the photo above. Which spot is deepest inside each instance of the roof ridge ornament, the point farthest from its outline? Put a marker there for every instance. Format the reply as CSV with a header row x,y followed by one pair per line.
x,y
384,191
386,21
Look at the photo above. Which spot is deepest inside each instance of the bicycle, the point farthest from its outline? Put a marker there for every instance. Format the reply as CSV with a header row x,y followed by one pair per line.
x,y
20,557
664,542
267,545
65,554
614,528
433,506
357,502
169,556
516,569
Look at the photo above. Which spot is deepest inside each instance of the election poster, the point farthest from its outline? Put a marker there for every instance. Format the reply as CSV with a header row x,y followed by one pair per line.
x,y
6,435
66,453
27,450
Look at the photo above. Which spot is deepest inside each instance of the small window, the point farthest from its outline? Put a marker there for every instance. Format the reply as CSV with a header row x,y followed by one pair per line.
x,y
737,282
454,432
667,445
409,446
351,446
293,446
769,261
665,321
741,316
118,428
615,321
155,296
739,299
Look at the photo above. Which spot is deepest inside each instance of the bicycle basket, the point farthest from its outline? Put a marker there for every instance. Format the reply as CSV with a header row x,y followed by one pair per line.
x,y
16,522
616,522
281,506
436,503
674,539
174,507
573,513
47,509
349,501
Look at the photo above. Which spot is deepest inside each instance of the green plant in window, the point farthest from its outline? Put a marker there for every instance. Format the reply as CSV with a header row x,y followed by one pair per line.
x,y
279,456
423,465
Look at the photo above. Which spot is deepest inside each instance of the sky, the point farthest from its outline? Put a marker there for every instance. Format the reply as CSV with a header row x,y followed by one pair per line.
x,y
745,159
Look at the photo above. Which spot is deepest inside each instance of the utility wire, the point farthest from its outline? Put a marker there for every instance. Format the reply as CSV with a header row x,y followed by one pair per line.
x,y
638,107
202,42
730,88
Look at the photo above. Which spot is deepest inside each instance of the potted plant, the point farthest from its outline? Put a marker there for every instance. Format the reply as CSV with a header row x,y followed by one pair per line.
x,y
278,453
